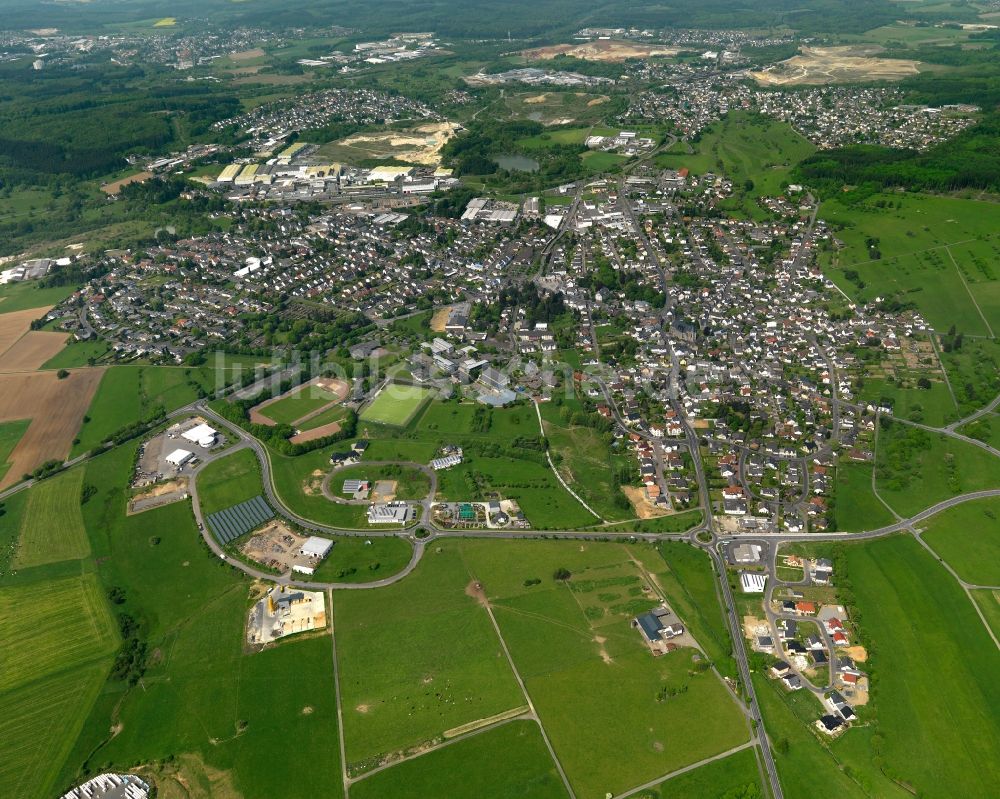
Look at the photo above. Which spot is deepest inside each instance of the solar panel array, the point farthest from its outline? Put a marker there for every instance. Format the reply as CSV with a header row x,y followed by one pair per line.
x,y
229,524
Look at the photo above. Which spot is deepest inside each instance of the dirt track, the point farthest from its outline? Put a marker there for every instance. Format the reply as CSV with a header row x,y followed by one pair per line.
x,y
316,432
56,409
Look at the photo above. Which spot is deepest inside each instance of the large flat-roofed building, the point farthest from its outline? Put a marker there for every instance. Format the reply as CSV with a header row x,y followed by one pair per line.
x,y
179,457
203,435
315,547
390,513
752,582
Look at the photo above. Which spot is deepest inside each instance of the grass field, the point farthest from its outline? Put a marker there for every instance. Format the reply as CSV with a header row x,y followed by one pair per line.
x,y
857,507
916,469
77,353
510,761
988,601
228,481
52,527
46,629
936,252
298,404
27,294
735,776
585,461
639,717
10,434
745,148
334,414
395,405
438,664
934,666
933,406
39,723
968,538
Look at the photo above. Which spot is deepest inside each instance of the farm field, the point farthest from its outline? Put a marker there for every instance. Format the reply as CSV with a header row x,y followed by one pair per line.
x,y
57,408
473,769
28,295
564,634
395,405
39,723
935,664
52,525
968,538
735,776
857,508
10,434
72,626
228,481
436,667
32,350
916,469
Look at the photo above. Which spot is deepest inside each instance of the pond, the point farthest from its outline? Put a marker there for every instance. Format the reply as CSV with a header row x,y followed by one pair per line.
x,y
518,163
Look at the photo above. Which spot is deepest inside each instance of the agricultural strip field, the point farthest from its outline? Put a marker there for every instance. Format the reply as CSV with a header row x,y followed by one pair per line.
x,y
968,538
31,351
395,405
44,630
417,658
228,481
916,469
14,324
936,671
39,723
505,762
57,408
640,717
10,434
52,524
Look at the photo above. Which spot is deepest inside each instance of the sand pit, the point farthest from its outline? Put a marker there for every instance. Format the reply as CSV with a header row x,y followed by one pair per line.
x,y
56,408
643,508
419,145
32,350
821,65
537,99
608,50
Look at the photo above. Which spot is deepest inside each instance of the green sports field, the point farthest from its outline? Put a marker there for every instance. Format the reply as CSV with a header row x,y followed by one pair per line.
x,y
299,403
52,526
395,404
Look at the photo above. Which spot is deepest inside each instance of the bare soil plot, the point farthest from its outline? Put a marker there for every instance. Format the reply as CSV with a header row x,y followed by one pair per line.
x,y
57,408
32,350
440,319
15,324
316,432
820,65
603,50
117,185
643,508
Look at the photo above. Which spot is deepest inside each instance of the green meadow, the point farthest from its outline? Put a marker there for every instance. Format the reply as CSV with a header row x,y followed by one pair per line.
x,y
967,537
933,666
229,480
52,526
416,659
857,508
509,761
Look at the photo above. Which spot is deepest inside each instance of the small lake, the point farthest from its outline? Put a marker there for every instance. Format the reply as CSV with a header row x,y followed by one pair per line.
x,y
518,163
